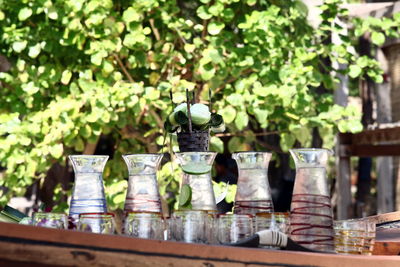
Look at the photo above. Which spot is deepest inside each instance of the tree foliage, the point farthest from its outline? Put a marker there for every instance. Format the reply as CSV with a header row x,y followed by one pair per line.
x,y
86,68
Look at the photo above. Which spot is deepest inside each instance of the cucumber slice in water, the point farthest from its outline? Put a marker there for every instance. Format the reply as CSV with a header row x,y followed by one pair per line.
x,y
185,196
196,168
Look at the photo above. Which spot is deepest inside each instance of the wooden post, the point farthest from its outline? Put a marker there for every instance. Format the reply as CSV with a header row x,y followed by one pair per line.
x,y
393,78
384,165
343,182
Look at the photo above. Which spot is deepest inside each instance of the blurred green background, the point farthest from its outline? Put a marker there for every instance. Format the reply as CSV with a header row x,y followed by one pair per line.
x,y
95,76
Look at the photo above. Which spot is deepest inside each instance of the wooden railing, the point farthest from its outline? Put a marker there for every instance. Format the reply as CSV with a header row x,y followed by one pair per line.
x,y
369,143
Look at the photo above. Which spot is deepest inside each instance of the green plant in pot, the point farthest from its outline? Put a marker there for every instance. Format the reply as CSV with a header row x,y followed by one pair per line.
x,y
193,123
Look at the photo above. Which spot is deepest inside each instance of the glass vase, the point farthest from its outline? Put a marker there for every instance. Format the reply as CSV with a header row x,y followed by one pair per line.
x,y
253,191
88,191
143,194
196,185
311,217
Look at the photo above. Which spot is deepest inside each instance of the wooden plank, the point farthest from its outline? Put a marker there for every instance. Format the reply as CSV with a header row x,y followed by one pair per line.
x,y
377,136
384,218
28,244
369,150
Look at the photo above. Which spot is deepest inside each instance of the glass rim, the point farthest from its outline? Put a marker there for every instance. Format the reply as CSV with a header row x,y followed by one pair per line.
x,y
89,156
143,154
97,214
184,213
330,151
252,152
48,213
235,216
139,213
196,153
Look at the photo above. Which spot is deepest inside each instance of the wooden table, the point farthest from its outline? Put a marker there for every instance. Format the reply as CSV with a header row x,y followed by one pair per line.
x,y
22,245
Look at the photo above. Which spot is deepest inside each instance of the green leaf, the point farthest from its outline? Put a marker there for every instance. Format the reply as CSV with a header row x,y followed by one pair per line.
x,y
119,199
235,99
354,71
30,88
107,67
2,16
207,73
66,77
287,141
130,15
356,127
216,9
301,7
259,90
200,114
261,116
97,58
230,196
236,144
79,145
302,134
57,151
216,144
363,61
52,13
34,51
378,38
228,113
185,197
215,27
228,14
203,13
251,2
19,46
241,121
24,13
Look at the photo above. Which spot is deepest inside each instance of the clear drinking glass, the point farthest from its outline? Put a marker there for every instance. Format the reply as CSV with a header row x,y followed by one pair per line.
x,y
144,225
189,226
233,227
167,226
253,192
349,236
311,217
50,220
197,175
100,223
142,194
88,191
370,234
275,221
211,228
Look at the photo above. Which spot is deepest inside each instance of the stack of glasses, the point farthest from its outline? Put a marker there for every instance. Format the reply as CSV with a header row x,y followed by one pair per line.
x,y
355,236
309,223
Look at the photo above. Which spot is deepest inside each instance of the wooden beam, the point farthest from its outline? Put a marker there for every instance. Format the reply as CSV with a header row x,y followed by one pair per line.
x,y
371,150
385,218
378,136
